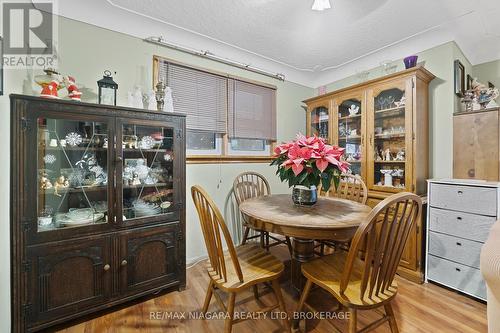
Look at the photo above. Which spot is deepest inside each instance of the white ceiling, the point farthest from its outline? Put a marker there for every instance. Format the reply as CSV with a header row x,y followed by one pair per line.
x,y
310,47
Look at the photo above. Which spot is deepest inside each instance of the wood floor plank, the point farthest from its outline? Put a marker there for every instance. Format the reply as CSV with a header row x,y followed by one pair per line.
x,y
418,309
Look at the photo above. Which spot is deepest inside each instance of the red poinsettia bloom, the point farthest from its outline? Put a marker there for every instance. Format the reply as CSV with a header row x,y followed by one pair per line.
x,y
330,155
311,158
312,142
297,156
283,148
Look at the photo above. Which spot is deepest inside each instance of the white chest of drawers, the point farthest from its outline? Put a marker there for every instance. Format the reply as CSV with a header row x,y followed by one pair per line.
x,y
459,216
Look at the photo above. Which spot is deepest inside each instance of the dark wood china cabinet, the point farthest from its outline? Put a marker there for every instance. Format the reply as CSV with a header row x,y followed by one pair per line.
x,y
97,208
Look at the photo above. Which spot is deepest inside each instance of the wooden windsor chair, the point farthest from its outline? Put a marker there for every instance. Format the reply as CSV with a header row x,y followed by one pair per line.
x,y
351,187
237,269
249,185
366,284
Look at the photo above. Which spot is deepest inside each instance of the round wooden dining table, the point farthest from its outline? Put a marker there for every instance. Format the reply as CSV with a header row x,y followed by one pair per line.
x,y
329,219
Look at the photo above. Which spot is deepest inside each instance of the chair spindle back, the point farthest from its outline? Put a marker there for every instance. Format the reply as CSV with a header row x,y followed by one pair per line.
x,y
386,231
212,224
351,187
249,185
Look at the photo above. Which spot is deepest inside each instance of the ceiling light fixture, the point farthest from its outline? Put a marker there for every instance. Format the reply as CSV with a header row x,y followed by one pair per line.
x,y
321,5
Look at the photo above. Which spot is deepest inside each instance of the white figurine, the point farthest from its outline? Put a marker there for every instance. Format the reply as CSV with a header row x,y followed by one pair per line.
x,y
401,102
151,100
135,98
387,155
400,155
169,101
353,110
387,177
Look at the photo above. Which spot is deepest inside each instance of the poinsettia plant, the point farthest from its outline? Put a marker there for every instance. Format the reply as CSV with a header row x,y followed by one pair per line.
x,y
309,161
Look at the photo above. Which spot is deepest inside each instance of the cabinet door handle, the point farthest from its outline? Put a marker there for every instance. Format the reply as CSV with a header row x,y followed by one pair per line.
x,y
459,244
119,159
124,262
458,269
106,267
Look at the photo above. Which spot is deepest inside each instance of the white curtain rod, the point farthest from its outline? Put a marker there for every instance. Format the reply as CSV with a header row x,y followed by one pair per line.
x,y
207,54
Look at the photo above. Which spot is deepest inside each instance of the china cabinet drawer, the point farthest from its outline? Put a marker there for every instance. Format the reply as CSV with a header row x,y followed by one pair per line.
x,y
460,277
456,249
477,200
465,225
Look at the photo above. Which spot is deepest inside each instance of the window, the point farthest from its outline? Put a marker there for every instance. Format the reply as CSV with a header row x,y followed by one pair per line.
x,y
226,116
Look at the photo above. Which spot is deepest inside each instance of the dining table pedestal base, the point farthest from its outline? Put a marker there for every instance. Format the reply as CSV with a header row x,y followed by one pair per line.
x,y
303,251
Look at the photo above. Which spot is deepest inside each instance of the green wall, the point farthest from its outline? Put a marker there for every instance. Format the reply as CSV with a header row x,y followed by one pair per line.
x,y
85,51
489,71
442,102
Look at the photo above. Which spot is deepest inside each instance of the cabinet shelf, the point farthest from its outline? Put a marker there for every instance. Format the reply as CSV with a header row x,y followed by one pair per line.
x,y
129,187
355,117
397,108
390,162
73,190
350,137
58,148
390,136
154,150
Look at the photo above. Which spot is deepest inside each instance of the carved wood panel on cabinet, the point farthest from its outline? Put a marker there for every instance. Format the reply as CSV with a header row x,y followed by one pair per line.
x,y
149,257
68,277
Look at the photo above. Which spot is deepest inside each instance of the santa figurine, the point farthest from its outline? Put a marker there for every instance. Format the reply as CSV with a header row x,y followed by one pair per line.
x,y
73,92
50,83
50,90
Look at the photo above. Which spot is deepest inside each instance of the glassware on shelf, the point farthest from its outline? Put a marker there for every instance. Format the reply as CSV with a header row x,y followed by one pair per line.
x,y
390,140
349,132
147,175
390,101
72,172
320,121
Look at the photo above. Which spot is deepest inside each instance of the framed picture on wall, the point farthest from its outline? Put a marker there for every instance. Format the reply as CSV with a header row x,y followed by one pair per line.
x,y
469,82
459,78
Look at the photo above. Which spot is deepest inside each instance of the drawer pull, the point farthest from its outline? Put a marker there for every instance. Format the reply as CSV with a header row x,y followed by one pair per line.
x,y
124,262
460,192
106,267
459,218
459,244
458,269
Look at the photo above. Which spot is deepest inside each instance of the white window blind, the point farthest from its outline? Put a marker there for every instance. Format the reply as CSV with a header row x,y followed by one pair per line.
x,y
200,95
252,111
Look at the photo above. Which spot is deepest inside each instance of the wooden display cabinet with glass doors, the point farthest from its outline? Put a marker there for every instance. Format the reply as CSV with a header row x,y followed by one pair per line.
x,y
97,208
383,126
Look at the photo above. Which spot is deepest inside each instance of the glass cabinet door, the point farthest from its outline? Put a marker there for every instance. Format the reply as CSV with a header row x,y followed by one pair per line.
x,y
350,131
320,122
72,173
390,137
147,171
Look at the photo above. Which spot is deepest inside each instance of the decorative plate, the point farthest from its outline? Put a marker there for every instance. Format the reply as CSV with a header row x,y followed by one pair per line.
x,y
147,142
73,139
49,159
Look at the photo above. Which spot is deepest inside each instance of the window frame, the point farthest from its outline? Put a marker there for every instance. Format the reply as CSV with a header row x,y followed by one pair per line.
x,y
223,152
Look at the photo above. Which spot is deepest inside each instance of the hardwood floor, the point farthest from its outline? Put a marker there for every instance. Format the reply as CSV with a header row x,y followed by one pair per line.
x,y
418,308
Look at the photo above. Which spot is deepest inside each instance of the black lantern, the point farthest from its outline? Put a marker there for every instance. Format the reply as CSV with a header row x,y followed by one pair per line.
x,y
107,89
